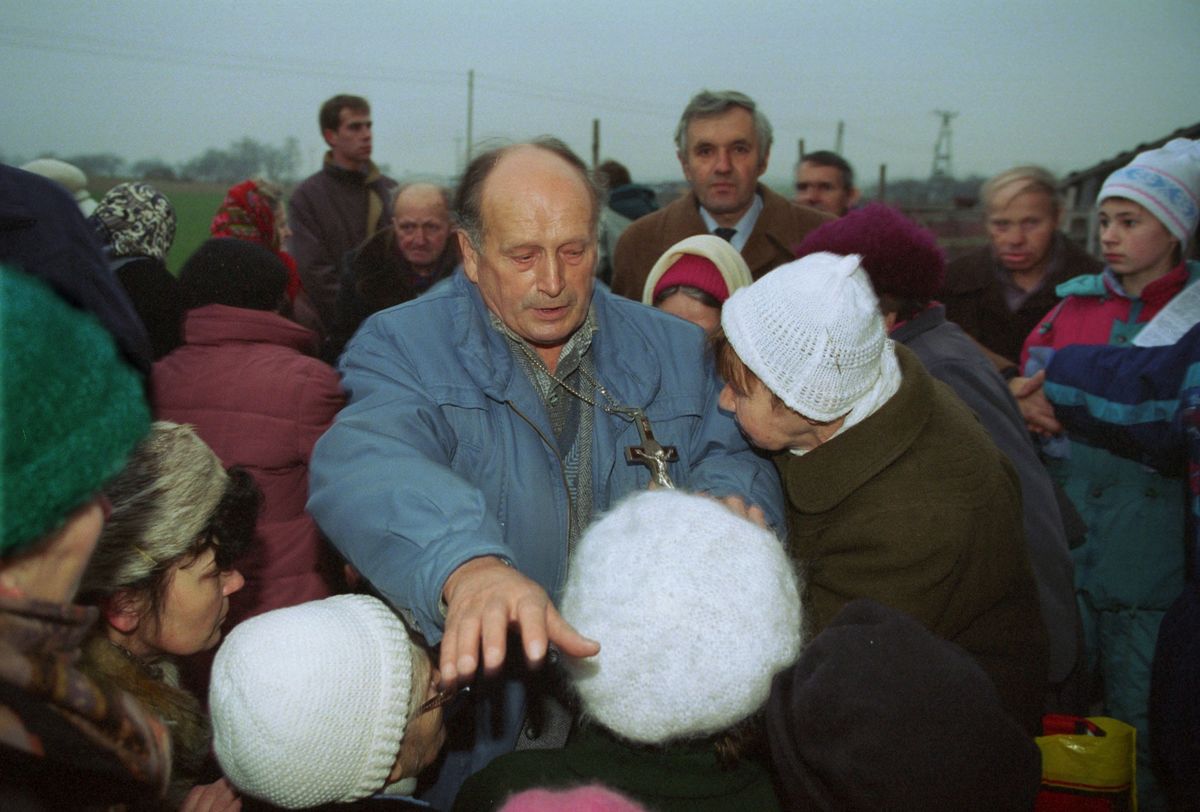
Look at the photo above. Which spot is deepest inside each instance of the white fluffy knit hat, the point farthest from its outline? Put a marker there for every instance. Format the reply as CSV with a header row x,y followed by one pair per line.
x,y
1166,181
309,703
695,608
812,332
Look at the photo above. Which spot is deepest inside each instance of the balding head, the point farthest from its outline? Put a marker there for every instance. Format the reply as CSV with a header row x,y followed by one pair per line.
x,y
421,222
527,218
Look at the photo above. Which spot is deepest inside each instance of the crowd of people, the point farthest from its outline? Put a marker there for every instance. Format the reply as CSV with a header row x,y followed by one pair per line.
x,y
536,495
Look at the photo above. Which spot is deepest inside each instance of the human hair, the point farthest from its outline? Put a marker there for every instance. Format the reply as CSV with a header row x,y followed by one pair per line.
x,y
468,200
701,296
708,103
612,174
733,370
331,111
999,191
172,502
824,157
235,273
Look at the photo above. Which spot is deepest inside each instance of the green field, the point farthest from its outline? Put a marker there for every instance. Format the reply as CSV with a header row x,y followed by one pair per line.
x,y
195,204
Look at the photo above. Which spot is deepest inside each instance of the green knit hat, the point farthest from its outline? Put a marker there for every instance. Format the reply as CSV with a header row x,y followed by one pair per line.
x,y
73,410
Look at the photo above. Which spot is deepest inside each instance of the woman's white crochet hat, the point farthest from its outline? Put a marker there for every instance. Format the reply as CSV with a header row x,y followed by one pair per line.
x,y
812,332
309,703
695,609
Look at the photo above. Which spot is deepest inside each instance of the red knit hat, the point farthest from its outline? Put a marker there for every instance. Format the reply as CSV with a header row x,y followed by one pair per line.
x,y
697,272
901,258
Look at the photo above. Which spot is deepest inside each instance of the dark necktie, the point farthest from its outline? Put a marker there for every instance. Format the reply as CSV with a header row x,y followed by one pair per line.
x,y
725,233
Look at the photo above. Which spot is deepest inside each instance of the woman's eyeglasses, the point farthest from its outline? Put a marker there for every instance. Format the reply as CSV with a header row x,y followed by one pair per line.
x,y
442,698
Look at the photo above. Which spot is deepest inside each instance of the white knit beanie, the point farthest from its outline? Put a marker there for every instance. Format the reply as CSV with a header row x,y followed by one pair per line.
x,y
812,332
309,703
695,609
67,175
1167,182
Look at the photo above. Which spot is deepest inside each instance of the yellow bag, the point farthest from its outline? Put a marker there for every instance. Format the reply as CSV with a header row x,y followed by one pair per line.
x,y
1088,765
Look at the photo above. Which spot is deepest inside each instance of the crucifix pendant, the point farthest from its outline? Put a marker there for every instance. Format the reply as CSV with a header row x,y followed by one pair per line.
x,y
651,453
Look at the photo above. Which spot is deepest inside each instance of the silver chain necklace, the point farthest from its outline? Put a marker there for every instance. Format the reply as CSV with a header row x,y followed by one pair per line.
x,y
650,453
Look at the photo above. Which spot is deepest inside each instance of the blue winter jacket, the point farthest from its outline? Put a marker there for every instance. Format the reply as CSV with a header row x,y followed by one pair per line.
x,y
444,451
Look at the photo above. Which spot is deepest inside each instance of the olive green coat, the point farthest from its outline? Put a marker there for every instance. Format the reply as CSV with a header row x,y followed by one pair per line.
x,y
917,508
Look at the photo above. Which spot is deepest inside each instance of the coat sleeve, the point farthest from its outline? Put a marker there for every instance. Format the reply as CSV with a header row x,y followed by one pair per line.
x,y
382,489
1127,399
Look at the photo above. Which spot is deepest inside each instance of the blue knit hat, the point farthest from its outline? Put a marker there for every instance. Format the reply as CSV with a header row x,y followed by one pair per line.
x,y
72,409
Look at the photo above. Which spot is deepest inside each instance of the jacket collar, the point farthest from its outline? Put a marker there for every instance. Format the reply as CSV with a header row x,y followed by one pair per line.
x,y
220,324
351,176
486,356
930,318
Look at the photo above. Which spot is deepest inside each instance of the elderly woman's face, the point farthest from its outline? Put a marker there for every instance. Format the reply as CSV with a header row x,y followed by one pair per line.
x,y
193,608
771,426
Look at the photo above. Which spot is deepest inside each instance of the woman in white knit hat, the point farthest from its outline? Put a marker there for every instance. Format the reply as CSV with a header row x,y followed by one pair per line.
x,y
326,702
694,277
894,491
696,610
1131,568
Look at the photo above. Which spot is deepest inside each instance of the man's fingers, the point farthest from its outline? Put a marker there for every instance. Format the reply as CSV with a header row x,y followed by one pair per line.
x,y
1030,385
465,632
494,635
563,634
756,515
531,618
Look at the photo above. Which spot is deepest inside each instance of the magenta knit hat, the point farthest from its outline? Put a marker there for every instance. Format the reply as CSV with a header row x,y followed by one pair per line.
x,y
901,258
697,272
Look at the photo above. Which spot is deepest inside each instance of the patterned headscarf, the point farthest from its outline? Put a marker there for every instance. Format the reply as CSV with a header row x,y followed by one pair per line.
x,y
135,219
247,214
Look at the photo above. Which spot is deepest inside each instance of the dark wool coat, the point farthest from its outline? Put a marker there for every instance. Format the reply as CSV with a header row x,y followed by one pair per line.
x,y
916,508
974,298
682,778
781,225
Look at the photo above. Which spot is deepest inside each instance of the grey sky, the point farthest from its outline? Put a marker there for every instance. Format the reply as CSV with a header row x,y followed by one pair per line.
x,y
1064,84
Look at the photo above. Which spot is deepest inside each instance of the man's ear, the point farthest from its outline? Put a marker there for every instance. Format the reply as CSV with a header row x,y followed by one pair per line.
x,y
123,611
852,198
328,136
762,165
470,259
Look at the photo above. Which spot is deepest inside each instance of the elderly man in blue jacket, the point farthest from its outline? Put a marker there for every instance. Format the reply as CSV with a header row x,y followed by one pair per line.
x,y
490,420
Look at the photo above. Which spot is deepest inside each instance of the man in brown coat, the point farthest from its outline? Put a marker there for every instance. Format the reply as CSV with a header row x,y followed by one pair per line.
x,y
723,142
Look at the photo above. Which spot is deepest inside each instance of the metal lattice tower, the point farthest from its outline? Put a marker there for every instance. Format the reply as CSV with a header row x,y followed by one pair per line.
x,y
941,178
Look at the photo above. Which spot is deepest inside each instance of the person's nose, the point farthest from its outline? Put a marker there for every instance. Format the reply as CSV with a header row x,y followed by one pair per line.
x,y
232,581
551,278
1108,234
724,161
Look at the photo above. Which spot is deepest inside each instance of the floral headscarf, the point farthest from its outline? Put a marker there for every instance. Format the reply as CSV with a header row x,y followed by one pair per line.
x,y
135,219
247,214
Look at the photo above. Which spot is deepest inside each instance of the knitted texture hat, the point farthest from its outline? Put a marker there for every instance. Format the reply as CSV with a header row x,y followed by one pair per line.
x,y
901,258
309,703
812,332
72,409
1166,181
695,609
880,714
731,270
135,219
581,799
233,272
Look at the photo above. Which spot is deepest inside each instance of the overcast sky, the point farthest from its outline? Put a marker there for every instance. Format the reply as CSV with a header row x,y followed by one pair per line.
x,y
1065,84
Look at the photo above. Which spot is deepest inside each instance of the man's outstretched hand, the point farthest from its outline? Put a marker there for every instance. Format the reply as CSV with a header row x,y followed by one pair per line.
x,y
484,597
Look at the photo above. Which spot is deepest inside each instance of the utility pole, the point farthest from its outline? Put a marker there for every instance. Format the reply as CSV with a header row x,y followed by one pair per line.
x,y
882,195
941,177
470,113
595,143
841,132
799,151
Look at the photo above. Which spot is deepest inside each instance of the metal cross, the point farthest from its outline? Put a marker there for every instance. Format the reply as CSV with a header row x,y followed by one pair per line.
x,y
651,453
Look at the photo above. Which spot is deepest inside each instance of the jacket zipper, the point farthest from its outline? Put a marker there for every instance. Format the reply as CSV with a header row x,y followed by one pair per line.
x,y
562,473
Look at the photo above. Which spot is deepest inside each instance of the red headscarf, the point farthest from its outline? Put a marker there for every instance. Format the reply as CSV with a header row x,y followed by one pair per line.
x,y
246,214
